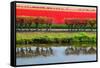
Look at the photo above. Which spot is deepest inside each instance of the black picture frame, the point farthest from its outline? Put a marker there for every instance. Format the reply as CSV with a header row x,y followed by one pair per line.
x,y
13,32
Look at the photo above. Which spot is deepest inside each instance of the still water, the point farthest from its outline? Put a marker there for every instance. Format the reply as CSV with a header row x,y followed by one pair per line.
x,y
54,54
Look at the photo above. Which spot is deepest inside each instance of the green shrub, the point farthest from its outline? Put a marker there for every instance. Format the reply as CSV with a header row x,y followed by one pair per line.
x,y
46,37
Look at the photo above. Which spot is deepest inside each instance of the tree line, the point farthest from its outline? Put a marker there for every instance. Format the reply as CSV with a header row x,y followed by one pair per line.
x,y
28,22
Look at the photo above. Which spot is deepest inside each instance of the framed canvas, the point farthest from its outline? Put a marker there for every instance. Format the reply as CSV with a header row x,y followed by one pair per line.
x,y
50,33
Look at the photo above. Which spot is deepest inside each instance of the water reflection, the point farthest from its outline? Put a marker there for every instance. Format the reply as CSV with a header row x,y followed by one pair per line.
x,y
80,50
48,51
35,51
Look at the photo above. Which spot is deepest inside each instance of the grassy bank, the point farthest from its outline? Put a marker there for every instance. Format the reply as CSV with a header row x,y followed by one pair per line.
x,y
57,45
54,37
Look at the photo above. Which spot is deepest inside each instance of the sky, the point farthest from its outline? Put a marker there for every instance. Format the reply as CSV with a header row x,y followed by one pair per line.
x,y
57,12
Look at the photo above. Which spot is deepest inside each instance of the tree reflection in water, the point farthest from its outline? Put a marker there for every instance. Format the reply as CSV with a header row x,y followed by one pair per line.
x,y
79,50
48,51
39,51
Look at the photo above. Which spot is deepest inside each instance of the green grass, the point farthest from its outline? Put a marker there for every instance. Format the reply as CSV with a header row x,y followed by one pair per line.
x,y
55,26
55,37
